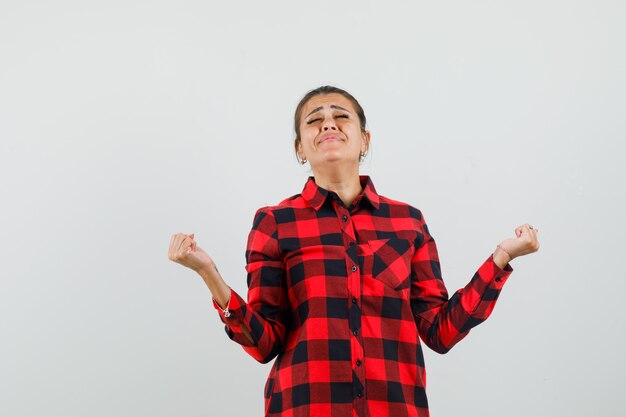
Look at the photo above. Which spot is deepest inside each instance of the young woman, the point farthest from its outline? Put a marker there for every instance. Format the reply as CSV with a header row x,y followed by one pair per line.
x,y
343,282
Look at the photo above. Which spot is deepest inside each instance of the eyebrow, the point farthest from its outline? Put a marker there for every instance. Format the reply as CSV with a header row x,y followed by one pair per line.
x,y
332,106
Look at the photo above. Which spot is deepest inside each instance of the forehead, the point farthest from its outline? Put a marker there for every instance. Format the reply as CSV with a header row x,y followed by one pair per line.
x,y
325,100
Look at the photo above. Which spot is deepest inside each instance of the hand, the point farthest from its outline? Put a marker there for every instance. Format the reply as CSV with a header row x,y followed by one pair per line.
x,y
184,250
526,242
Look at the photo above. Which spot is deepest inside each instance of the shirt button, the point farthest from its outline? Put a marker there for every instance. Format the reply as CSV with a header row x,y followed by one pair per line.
x,y
344,218
354,301
359,395
353,268
358,363
355,332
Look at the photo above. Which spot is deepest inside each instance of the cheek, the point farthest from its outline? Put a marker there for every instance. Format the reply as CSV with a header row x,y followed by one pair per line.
x,y
307,134
306,138
350,127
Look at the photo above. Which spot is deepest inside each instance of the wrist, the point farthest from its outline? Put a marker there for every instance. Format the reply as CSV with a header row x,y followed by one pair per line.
x,y
208,270
501,256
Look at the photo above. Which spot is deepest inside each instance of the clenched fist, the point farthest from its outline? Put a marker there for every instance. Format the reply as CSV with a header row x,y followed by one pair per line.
x,y
524,243
184,250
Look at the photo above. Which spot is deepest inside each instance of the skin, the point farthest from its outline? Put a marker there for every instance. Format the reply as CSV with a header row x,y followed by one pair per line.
x,y
331,141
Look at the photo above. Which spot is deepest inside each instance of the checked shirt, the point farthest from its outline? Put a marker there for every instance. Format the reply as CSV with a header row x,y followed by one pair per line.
x,y
341,296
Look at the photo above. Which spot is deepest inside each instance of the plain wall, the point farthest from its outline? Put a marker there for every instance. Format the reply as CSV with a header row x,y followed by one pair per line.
x,y
124,122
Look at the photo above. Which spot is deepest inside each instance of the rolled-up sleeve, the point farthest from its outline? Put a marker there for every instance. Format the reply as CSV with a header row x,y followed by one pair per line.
x,y
442,321
266,313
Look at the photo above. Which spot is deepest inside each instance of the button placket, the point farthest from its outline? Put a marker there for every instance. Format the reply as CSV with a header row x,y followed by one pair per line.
x,y
348,231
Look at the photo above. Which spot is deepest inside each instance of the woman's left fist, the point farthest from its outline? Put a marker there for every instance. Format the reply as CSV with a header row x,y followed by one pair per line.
x,y
524,243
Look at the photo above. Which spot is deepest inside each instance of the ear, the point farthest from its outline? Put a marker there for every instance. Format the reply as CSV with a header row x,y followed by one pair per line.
x,y
365,142
300,152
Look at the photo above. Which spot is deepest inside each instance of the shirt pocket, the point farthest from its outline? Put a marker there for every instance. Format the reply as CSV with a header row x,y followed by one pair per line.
x,y
390,261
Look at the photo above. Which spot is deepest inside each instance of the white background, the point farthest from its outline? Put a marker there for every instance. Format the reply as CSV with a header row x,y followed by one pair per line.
x,y
123,122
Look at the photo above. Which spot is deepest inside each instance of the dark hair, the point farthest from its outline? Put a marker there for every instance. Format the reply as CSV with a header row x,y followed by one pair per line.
x,y
325,89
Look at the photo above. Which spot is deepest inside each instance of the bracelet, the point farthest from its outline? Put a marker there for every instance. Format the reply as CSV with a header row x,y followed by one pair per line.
x,y
224,310
510,257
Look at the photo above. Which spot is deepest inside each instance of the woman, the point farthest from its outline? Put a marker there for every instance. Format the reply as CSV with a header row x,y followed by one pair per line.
x,y
343,282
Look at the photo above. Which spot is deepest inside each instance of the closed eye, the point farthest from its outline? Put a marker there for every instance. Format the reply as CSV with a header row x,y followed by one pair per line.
x,y
318,119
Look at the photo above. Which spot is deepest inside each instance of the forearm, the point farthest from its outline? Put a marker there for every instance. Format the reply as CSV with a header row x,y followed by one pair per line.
x,y
220,291
216,284
444,322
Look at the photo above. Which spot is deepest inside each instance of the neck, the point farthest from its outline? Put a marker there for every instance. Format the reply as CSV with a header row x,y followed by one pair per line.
x,y
344,182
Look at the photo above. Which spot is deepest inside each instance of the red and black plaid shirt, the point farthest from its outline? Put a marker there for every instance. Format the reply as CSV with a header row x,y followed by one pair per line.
x,y
340,296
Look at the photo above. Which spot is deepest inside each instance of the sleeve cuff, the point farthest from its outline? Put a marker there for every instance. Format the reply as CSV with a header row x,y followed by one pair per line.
x,y
499,275
232,313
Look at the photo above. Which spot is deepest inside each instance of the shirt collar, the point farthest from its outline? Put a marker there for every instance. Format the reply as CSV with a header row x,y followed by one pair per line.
x,y
316,195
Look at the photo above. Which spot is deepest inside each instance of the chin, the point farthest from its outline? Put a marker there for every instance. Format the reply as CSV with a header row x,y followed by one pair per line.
x,y
336,158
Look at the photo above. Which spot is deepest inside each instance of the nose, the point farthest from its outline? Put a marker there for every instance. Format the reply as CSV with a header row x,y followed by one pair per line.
x,y
329,124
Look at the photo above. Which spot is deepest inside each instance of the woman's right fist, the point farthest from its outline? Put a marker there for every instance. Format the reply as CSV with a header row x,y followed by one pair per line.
x,y
184,250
